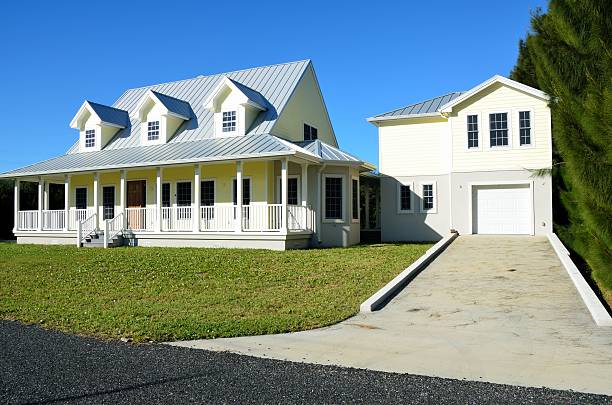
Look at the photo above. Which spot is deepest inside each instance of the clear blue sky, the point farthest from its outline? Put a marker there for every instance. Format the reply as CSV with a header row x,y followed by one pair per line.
x,y
369,57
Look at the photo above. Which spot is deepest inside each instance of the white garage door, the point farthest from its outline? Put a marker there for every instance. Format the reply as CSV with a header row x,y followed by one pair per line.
x,y
502,209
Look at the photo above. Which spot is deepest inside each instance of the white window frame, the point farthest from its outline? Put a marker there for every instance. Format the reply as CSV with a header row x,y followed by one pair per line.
x,y
158,130
175,202
214,180
250,190
95,138
509,120
162,194
433,210
115,206
236,128
356,220
86,197
480,126
279,188
517,112
399,197
324,209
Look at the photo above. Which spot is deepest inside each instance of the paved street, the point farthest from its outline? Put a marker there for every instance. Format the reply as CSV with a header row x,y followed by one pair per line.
x,y
490,308
43,367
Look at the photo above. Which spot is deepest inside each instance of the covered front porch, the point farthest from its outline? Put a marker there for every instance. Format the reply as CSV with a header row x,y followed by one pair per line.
x,y
241,200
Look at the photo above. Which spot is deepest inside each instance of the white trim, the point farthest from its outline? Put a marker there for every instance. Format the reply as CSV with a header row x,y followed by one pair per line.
x,y
398,195
516,112
191,200
149,94
74,123
211,104
278,189
344,200
114,186
355,220
434,183
214,180
478,115
508,113
448,107
374,120
476,184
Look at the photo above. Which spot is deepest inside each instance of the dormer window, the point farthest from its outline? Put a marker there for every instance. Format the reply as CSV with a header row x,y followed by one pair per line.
x,y
153,130
90,138
229,121
310,133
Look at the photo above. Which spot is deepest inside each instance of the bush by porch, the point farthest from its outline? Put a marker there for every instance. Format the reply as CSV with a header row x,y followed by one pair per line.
x,y
163,294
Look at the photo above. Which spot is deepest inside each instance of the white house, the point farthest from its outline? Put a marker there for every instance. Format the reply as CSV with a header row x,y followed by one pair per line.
x,y
466,161
239,159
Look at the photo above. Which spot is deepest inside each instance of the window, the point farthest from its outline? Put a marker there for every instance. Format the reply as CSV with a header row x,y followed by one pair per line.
x,y
81,198
428,197
333,198
405,197
183,194
165,195
472,131
229,121
310,133
292,190
108,202
207,193
498,125
90,138
153,130
246,192
525,127
355,199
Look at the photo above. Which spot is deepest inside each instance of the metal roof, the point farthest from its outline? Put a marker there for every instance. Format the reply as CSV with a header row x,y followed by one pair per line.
x,y
330,153
430,106
275,83
251,94
110,114
173,104
213,149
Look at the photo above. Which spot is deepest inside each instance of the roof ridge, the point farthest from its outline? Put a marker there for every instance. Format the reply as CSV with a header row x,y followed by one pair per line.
x,y
105,105
165,95
418,102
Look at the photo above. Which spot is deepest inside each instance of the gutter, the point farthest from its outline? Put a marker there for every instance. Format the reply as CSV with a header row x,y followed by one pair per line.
x,y
374,120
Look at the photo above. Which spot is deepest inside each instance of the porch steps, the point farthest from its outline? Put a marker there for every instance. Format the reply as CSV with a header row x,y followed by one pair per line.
x,y
96,240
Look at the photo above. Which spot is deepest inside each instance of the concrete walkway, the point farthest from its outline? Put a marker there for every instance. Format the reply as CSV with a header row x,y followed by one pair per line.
x,y
497,309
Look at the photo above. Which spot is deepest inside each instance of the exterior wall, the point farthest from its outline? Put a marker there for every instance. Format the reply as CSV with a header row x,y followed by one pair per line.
x,y
306,105
499,98
414,226
414,147
243,241
461,196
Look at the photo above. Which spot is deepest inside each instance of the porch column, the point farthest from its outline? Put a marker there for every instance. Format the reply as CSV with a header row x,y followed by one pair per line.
x,y
16,202
46,195
195,217
238,224
158,199
367,207
66,201
304,185
122,197
284,194
40,203
95,198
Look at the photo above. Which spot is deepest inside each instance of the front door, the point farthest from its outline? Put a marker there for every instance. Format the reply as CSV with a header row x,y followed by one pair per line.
x,y
136,198
108,202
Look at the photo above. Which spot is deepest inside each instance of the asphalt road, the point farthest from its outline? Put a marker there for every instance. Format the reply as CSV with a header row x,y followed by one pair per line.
x,y
44,367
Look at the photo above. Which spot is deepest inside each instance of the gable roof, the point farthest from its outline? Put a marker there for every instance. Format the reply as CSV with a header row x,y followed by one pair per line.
x,y
275,83
331,154
108,115
174,105
430,107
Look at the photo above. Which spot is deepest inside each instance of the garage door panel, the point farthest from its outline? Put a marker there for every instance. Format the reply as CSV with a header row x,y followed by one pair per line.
x,y
502,210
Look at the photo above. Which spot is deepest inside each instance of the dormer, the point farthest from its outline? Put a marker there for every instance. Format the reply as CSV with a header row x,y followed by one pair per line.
x,y
160,117
97,124
235,107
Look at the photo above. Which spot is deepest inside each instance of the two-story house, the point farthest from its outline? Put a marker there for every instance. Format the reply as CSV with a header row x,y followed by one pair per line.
x,y
239,159
466,161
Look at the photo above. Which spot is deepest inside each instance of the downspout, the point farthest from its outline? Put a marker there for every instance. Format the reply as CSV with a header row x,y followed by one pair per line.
x,y
319,214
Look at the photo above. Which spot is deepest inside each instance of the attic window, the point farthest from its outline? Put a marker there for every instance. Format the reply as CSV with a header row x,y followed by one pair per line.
x,y
310,133
153,130
90,138
229,121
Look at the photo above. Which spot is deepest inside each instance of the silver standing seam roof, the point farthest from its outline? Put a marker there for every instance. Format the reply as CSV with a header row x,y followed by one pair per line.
x,y
430,106
174,105
110,114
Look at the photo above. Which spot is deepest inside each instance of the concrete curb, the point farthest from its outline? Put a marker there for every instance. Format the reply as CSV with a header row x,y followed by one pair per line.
x,y
379,299
596,308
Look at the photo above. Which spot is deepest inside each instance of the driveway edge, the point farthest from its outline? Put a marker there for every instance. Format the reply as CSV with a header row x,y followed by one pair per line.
x,y
382,296
596,308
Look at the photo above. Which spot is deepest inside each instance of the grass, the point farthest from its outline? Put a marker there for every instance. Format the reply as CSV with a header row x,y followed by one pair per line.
x,y
165,294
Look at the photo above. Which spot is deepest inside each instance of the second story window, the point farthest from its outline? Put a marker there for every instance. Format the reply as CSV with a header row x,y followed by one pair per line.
x,y
153,130
90,138
472,131
498,125
229,121
310,133
525,127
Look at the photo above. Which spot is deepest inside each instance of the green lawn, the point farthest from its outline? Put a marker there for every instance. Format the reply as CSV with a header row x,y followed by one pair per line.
x,y
163,294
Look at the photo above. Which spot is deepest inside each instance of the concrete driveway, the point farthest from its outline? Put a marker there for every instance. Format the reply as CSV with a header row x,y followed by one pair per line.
x,y
489,308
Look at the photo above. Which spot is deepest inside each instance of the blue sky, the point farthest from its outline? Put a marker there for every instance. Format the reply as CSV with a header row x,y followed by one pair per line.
x,y
370,57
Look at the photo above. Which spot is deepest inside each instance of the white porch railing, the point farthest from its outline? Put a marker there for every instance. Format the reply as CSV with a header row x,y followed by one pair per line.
x,y
54,220
76,215
300,218
140,219
28,220
176,219
85,228
262,217
218,218
112,228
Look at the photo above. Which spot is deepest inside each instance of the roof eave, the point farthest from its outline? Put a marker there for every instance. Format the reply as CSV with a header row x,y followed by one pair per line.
x,y
402,117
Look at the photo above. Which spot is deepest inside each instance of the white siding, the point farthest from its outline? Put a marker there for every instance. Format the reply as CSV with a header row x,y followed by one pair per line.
x,y
499,98
419,147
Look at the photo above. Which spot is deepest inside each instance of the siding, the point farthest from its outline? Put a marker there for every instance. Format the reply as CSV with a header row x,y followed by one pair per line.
x,y
419,147
499,98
